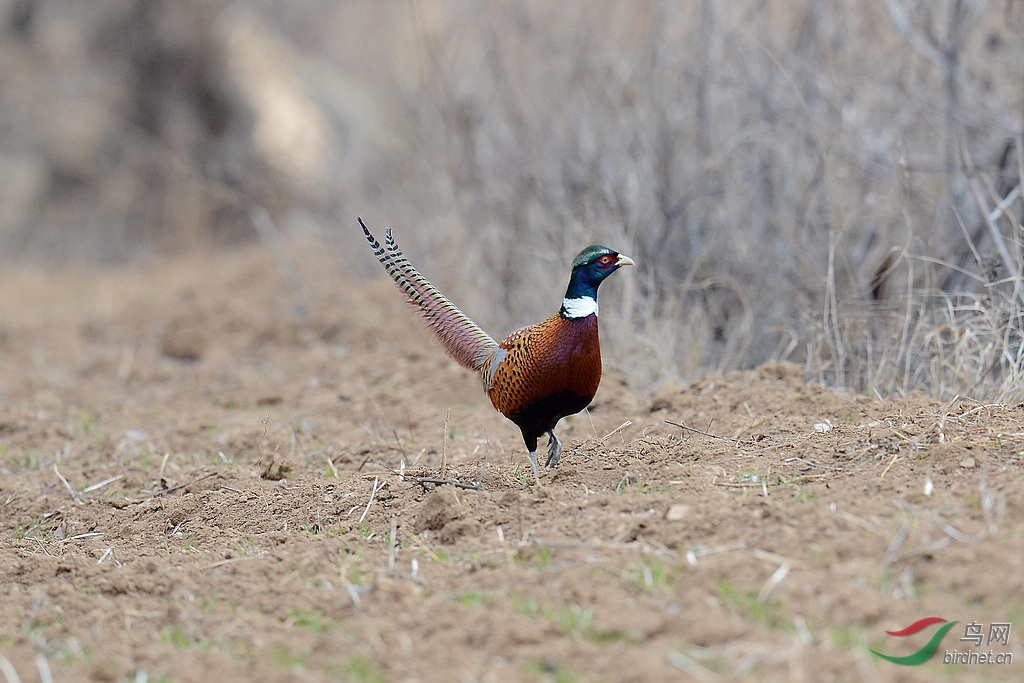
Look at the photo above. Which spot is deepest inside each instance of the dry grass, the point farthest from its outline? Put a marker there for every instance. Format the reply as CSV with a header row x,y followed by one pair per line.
x,y
833,183
799,181
762,163
968,342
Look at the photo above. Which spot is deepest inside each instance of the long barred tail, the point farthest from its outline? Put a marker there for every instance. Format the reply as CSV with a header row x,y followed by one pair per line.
x,y
461,338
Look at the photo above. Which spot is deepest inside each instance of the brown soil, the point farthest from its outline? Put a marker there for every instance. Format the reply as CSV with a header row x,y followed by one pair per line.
x,y
199,481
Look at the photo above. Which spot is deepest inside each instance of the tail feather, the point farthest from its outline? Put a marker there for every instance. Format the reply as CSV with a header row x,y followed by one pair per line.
x,y
461,338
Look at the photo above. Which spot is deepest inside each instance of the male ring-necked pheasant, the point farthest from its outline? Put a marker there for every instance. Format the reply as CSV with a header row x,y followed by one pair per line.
x,y
536,375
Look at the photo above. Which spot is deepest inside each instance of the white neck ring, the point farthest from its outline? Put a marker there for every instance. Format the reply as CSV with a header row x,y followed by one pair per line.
x,y
579,308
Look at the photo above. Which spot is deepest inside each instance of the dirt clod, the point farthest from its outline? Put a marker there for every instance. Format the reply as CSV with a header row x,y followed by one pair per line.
x,y
439,508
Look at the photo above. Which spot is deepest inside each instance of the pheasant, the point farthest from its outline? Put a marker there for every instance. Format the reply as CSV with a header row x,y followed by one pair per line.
x,y
537,375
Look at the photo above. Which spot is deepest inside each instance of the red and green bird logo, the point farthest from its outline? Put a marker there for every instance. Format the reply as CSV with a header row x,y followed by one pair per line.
x,y
926,652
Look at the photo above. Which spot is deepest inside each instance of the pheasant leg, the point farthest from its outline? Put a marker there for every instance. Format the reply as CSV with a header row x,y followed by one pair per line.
x,y
554,449
536,466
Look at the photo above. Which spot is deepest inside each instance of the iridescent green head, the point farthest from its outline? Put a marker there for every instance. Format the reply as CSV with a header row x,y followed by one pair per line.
x,y
590,267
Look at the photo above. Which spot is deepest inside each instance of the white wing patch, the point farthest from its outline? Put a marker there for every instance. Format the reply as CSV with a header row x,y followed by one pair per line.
x,y
579,308
490,367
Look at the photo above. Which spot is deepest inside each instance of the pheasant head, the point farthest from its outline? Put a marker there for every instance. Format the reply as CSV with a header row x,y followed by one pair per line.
x,y
589,269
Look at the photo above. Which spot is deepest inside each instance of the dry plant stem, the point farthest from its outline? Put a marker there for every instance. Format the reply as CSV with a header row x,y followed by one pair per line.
x,y
78,537
373,493
775,558
101,484
186,484
773,581
990,217
442,468
364,461
401,446
78,495
353,593
814,464
708,434
263,437
451,482
424,547
163,464
692,667
65,482
895,543
857,521
891,463
616,430
43,666
591,418
8,670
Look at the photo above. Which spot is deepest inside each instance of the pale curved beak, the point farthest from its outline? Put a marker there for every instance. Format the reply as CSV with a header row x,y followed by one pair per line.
x,y
625,261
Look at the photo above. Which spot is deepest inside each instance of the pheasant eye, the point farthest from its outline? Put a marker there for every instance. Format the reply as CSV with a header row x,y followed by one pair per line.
x,y
605,260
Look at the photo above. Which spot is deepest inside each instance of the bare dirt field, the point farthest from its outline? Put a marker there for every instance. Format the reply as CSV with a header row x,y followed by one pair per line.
x,y
206,474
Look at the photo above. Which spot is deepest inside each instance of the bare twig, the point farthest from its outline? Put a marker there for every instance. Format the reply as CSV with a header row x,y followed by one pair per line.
x,y
708,434
163,464
363,463
43,547
857,521
370,502
398,440
8,670
694,553
691,667
230,560
43,666
263,437
438,481
768,556
990,217
78,537
103,483
895,543
423,546
186,484
616,430
74,494
773,581
444,445
891,463
353,593
813,464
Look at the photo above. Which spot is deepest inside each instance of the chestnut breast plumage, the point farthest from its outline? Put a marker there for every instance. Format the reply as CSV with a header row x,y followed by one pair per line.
x,y
556,356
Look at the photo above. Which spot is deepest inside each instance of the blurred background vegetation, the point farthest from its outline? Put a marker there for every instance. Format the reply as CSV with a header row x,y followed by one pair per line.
x,y
830,182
